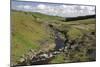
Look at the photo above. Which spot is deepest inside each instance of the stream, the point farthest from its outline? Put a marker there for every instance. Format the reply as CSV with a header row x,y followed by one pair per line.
x,y
58,41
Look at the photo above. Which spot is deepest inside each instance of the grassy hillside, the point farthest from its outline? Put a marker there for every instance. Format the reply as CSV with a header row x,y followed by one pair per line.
x,y
31,31
27,34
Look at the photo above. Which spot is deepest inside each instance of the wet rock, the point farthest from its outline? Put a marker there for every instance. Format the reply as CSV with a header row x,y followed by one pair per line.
x,y
56,52
21,60
44,55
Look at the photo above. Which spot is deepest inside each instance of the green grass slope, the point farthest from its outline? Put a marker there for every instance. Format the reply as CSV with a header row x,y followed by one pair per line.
x,y
27,33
